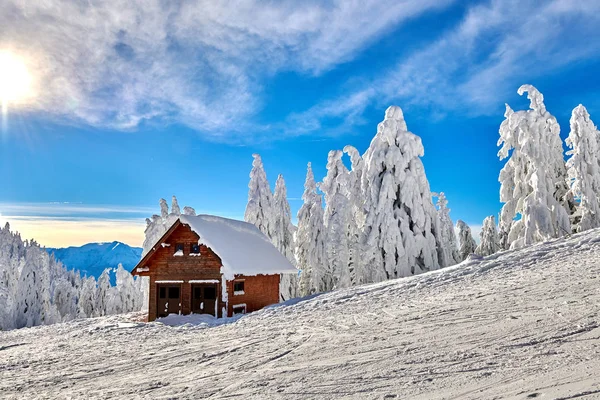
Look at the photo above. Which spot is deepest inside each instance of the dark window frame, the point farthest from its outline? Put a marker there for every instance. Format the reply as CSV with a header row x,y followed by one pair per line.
x,y
179,246
237,288
194,248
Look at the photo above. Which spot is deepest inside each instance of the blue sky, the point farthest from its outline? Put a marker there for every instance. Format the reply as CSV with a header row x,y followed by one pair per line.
x,y
132,103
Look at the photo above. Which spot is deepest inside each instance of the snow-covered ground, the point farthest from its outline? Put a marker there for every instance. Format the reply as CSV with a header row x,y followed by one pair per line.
x,y
516,325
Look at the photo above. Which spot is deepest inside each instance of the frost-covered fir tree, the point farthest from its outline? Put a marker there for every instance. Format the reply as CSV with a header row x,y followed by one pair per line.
x,y
490,241
310,248
533,180
259,210
283,238
401,232
189,211
336,219
103,294
465,238
583,168
356,223
447,236
87,298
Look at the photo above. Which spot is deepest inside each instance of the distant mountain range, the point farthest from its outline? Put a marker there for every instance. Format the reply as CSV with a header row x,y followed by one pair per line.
x,y
93,258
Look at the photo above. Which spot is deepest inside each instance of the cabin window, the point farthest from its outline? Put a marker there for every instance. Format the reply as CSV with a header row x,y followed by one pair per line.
x,y
173,292
238,288
239,309
210,293
195,248
162,292
178,249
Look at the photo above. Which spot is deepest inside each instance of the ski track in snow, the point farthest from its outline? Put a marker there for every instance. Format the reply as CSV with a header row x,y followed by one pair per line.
x,y
515,325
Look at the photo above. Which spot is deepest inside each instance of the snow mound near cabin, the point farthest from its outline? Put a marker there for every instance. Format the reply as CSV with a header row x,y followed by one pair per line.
x,y
515,325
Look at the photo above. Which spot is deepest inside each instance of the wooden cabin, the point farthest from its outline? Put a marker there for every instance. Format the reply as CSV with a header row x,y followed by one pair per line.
x,y
211,265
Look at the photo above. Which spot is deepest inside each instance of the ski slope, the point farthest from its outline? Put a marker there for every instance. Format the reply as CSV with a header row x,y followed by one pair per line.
x,y
516,325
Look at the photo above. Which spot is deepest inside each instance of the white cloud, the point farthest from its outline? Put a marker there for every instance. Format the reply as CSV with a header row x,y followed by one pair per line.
x,y
476,65
72,209
118,63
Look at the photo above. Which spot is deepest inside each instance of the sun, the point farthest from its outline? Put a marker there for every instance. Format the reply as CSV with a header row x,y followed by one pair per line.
x,y
15,79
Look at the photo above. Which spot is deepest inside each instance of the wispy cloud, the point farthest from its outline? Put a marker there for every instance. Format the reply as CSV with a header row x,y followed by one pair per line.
x,y
119,63
473,67
70,209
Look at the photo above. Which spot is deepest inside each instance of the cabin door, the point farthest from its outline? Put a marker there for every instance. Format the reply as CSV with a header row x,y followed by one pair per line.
x,y
169,300
204,299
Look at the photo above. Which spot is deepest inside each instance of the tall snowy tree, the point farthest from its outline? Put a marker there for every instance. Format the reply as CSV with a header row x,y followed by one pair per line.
x,y
310,248
533,180
401,232
259,210
584,169
283,237
336,220
490,241
465,239
356,223
450,251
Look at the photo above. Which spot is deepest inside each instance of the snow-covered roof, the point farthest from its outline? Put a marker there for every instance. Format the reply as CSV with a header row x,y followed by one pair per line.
x,y
243,248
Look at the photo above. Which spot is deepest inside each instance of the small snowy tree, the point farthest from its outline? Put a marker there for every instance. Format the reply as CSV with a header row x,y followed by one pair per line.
x,y
103,294
259,210
450,251
465,238
283,237
310,249
189,211
87,298
584,169
401,227
175,206
533,180
336,220
490,241
356,221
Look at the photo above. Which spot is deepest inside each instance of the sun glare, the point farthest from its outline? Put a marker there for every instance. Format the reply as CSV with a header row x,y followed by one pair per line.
x,y
15,80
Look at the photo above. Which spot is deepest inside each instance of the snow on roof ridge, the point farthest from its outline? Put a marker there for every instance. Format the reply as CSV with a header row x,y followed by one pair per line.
x,y
242,247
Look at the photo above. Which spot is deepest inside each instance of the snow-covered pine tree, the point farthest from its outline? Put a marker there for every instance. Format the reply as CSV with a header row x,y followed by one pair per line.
x,y
175,206
533,180
490,241
336,220
259,210
103,294
310,248
401,228
447,236
584,169
87,298
283,238
189,211
465,239
356,222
